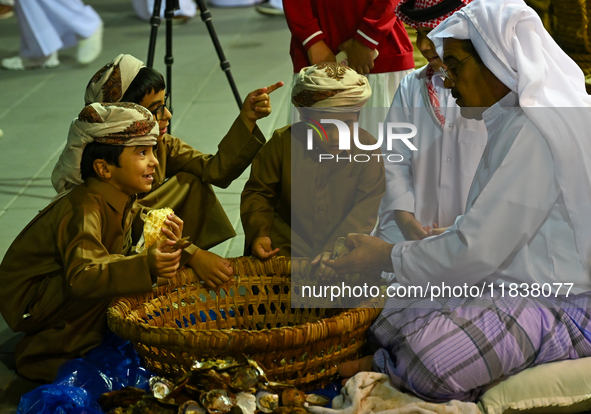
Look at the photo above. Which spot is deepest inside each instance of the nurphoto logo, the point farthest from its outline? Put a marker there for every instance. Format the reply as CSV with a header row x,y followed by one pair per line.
x,y
394,130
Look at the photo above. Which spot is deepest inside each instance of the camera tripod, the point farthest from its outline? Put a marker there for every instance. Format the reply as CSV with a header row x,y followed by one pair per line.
x,y
171,6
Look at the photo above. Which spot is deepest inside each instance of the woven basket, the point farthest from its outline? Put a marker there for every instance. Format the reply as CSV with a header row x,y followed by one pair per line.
x,y
252,314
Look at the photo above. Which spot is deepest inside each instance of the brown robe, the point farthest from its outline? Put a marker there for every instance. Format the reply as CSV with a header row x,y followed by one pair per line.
x,y
191,174
304,205
62,271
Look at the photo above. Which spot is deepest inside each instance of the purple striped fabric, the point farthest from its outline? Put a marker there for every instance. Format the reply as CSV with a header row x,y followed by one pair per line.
x,y
456,350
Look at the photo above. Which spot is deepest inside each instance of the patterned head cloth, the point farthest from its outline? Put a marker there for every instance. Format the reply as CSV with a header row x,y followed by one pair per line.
x,y
427,13
112,80
125,124
330,85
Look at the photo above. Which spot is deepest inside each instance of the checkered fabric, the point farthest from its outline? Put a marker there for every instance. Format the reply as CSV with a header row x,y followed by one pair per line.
x,y
424,5
454,350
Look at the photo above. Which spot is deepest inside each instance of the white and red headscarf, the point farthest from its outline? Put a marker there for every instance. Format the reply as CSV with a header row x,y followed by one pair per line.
x,y
124,123
427,13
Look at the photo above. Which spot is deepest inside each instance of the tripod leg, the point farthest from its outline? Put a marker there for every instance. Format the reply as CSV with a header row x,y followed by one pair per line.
x,y
171,6
225,65
154,22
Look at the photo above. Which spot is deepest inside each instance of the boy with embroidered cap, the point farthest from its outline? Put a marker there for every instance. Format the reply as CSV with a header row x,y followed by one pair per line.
x,y
184,177
429,187
297,202
60,274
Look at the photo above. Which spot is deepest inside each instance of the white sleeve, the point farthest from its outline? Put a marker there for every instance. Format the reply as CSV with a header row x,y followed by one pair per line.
x,y
504,216
399,182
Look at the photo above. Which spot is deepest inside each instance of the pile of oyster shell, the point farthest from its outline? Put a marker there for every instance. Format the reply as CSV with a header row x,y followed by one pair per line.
x,y
215,386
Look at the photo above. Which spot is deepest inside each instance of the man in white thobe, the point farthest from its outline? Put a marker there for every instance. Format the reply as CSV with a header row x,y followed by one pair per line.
x,y
526,220
428,186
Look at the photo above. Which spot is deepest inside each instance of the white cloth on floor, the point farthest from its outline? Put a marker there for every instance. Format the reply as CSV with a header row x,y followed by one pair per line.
x,y
371,392
145,8
47,26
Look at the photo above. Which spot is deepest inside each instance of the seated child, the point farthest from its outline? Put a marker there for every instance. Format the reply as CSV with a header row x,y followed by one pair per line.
x,y
183,178
429,187
62,271
328,197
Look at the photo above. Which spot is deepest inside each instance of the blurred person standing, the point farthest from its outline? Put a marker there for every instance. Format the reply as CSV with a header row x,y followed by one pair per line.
x,y
322,28
145,8
47,26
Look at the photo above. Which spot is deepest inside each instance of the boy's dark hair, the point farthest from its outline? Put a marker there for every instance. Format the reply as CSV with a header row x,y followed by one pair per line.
x,y
97,151
146,81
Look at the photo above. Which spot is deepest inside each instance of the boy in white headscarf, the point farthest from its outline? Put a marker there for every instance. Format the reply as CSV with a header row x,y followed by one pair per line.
x,y
184,176
62,271
299,198
429,186
519,257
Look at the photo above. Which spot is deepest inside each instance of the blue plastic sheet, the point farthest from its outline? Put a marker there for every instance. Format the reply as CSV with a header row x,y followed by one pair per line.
x,y
109,367
79,382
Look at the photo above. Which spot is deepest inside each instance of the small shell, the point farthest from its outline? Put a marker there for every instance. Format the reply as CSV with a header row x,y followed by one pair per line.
x,y
316,399
245,378
293,396
160,387
247,402
267,402
217,364
191,407
218,401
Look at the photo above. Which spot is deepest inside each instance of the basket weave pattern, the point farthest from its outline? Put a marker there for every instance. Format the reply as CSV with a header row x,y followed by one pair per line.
x,y
251,314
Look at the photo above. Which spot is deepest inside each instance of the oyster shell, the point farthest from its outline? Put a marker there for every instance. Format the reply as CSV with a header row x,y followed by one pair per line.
x,y
293,397
247,402
214,363
340,250
267,402
123,397
218,401
245,378
316,399
191,407
160,387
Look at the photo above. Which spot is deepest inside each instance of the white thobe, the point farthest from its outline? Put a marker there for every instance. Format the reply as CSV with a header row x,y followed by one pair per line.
x,y
47,26
433,182
145,8
516,227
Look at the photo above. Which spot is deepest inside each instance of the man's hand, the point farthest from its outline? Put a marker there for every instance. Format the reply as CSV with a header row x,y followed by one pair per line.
x,y
360,56
211,268
163,263
435,230
262,248
322,271
257,105
369,255
410,227
319,52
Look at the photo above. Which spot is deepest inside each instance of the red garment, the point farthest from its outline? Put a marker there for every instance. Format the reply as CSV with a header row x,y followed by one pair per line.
x,y
372,22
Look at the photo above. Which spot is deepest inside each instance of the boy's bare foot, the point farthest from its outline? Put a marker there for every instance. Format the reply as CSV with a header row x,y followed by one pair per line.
x,y
350,368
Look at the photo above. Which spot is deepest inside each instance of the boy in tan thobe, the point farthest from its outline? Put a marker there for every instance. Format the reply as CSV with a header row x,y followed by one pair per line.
x,y
299,198
62,271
